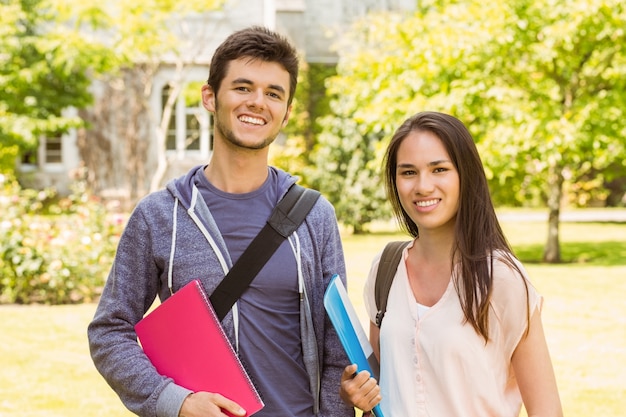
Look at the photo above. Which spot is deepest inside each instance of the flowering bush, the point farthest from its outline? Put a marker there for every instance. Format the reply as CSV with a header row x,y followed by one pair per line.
x,y
54,250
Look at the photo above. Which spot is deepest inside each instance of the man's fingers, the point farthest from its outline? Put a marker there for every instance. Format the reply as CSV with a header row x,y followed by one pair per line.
x,y
209,404
228,405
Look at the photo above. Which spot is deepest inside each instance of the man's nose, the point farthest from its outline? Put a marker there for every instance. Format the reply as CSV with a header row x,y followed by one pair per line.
x,y
257,99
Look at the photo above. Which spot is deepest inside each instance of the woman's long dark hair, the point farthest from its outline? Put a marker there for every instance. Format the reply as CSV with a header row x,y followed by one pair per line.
x,y
478,235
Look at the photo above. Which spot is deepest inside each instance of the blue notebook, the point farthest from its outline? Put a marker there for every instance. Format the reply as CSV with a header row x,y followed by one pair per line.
x,y
353,338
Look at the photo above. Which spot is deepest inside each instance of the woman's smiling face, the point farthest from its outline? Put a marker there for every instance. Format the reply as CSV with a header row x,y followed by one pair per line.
x,y
427,182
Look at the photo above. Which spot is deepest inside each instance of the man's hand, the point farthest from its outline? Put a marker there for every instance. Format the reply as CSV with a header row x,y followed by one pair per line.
x,y
207,404
360,390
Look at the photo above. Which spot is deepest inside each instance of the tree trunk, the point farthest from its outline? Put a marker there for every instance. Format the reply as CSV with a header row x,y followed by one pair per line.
x,y
175,87
162,164
552,251
115,146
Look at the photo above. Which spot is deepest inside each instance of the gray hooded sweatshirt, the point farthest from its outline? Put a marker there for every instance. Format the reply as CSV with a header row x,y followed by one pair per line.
x,y
166,236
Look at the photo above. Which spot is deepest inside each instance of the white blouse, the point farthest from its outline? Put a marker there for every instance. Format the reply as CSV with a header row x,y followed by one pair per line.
x,y
435,364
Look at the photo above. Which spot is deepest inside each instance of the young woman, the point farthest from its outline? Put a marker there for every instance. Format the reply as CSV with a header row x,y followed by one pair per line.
x,y
462,334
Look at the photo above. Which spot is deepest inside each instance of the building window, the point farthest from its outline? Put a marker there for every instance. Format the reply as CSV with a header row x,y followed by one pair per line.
x,y
192,134
170,140
50,151
53,150
189,129
29,158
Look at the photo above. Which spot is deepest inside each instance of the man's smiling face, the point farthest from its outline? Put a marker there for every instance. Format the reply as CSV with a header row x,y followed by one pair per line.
x,y
251,104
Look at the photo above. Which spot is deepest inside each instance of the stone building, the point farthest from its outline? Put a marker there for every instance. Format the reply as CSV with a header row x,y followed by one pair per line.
x,y
121,149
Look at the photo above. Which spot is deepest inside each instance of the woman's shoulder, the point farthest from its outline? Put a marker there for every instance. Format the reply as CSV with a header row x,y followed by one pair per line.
x,y
513,296
507,267
511,284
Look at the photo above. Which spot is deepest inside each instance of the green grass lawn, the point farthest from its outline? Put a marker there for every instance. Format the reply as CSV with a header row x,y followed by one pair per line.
x,y
45,368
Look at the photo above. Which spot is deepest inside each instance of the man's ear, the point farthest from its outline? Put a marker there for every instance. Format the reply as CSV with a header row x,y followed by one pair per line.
x,y
287,114
208,98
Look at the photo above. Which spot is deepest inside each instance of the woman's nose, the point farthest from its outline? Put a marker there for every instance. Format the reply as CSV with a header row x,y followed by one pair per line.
x,y
423,184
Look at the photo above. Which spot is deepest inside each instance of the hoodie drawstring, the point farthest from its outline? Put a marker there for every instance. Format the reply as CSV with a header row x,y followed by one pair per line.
x,y
170,268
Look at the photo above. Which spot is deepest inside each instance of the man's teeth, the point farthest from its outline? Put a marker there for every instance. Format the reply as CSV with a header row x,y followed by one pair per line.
x,y
252,120
426,203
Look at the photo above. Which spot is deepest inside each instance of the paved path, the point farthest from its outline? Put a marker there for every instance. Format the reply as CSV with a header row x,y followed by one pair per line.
x,y
586,215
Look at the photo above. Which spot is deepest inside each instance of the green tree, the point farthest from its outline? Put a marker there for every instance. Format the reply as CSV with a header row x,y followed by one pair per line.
x,y
44,69
391,66
54,50
309,104
540,84
562,103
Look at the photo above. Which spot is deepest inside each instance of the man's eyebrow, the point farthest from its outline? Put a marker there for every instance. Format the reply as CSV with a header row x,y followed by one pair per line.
x,y
241,81
276,87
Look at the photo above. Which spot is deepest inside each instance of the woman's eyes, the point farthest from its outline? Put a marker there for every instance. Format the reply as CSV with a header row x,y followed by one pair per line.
x,y
409,172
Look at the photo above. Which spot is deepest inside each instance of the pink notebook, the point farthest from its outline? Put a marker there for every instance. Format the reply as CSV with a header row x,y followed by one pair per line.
x,y
184,340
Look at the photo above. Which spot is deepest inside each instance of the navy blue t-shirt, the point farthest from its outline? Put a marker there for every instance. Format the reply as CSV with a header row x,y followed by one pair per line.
x,y
269,311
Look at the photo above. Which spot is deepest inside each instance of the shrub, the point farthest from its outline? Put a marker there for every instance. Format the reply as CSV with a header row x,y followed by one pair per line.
x,y
54,250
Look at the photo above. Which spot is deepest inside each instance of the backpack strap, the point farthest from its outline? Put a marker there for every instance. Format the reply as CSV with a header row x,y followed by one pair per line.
x,y
288,214
387,267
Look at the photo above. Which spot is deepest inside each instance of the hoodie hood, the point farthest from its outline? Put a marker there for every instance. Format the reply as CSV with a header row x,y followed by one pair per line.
x,y
185,192
182,187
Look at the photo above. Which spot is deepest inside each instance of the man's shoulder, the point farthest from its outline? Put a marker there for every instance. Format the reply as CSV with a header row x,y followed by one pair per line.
x,y
156,197
153,203
323,207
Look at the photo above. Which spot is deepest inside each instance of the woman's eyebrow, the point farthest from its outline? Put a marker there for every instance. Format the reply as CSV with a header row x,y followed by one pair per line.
x,y
439,162
430,164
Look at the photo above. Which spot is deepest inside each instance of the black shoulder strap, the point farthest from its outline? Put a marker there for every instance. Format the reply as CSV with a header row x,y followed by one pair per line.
x,y
288,214
387,267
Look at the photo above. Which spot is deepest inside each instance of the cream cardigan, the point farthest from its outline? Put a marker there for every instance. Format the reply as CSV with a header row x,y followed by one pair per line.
x,y
437,365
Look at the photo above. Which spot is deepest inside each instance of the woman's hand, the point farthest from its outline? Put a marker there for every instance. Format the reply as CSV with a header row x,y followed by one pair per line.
x,y
360,390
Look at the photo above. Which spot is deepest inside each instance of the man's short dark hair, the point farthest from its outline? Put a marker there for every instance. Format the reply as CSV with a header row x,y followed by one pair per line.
x,y
255,42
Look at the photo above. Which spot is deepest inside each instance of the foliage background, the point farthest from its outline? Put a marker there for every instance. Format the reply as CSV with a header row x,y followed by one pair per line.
x,y
541,84
54,250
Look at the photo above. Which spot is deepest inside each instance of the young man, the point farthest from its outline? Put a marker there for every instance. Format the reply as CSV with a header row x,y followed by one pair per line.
x,y
199,226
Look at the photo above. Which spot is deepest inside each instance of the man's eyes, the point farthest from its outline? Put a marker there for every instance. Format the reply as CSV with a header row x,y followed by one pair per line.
x,y
271,94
